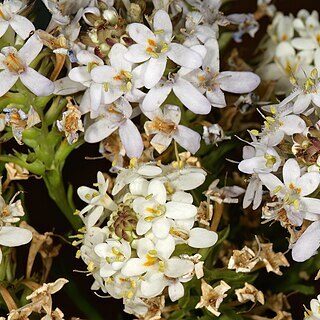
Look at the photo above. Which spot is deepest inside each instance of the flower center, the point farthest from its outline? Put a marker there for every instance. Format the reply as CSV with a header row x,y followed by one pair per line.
x,y
154,48
14,63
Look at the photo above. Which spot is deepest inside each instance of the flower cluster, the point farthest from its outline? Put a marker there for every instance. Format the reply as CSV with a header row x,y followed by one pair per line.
x,y
291,50
129,243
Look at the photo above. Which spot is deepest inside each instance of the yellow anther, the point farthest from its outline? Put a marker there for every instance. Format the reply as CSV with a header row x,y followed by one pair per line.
x,y
90,266
314,73
78,254
149,196
128,74
159,31
154,55
277,189
130,295
254,132
270,119
153,252
115,250
129,86
88,196
133,283
296,204
76,212
133,163
273,109
106,87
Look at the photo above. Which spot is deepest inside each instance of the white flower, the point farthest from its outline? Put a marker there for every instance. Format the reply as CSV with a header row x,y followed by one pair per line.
x,y
9,17
246,24
259,158
293,191
115,116
189,95
309,93
16,66
156,265
165,126
113,254
115,80
97,200
82,74
154,212
211,81
314,313
153,48
280,124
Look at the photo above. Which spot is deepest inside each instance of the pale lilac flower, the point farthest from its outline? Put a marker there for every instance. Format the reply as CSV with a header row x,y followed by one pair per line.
x,y
165,126
9,17
115,116
153,48
16,66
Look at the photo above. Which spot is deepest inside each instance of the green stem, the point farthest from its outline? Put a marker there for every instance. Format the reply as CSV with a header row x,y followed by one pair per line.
x,y
55,185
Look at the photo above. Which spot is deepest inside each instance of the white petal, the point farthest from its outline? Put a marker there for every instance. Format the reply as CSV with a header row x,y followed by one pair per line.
x,y
292,124
308,183
154,71
303,44
161,142
308,243
158,191
102,74
184,56
290,172
311,205
37,83
31,49
155,97
302,103
98,131
85,57
80,74
187,138
216,97
211,59
180,210
95,95
178,267
162,21
3,27
238,82
136,53
143,227
7,80
176,291
131,139
270,181
191,97
154,286
22,26
161,228
202,238
117,60
188,181
66,86
165,247
14,236
94,216
140,33
181,196
134,267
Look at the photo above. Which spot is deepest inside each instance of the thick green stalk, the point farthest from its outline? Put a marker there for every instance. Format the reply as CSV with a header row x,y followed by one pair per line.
x,y
55,185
